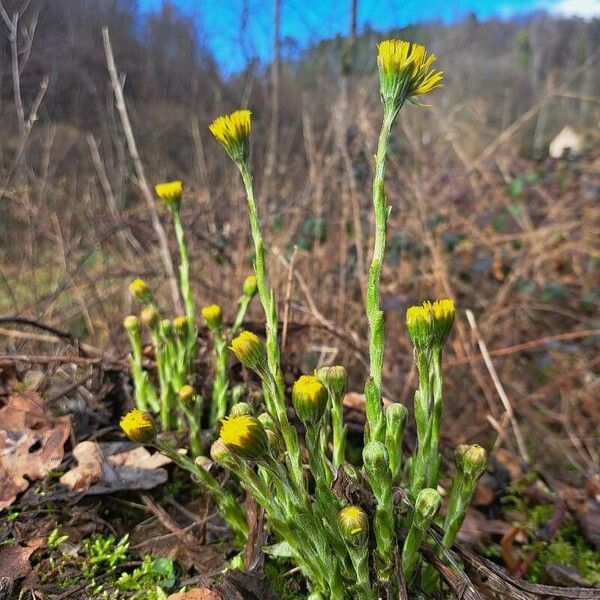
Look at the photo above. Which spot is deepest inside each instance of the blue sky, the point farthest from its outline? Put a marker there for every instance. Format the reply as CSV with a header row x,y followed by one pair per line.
x,y
236,30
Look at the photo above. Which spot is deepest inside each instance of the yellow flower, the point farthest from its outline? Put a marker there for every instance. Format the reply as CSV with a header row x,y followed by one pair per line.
x,y
212,315
245,436
418,323
353,522
149,317
180,324
233,132
251,352
250,286
443,316
170,192
309,397
405,71
132,324
187,393
141,290
138,426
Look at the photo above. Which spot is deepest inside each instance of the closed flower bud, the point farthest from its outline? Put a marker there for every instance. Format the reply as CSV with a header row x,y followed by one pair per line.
x,y
334,378
170,193
245,436
309,397
266,420
471,460
250,286
395,416
149,317
427,506
212,315
132,324
138,426
376,460
180,324
354,523
140,290
419,324
187,393
233,132
166,329
219,451
239,409
250,351
443,317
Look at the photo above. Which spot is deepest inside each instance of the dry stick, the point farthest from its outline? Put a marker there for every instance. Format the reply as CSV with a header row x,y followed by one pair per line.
x,y
141,175
499,387
288,295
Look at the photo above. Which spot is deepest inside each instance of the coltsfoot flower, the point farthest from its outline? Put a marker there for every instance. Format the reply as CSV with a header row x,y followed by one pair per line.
x,y
233,132
354,523
132,324
250,286
430,324
250,351
149,317
427,506
334,378
141,290
138,426
309,397
443,318
187,393
418,323
212,315
240,408
170,193
245,436
405,71
471,460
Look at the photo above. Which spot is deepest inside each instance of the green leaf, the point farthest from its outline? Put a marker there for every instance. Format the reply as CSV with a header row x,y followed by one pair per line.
x,y
280,550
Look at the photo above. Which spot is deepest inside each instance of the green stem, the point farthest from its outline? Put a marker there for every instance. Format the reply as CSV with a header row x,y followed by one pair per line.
x,y
218,407
374,313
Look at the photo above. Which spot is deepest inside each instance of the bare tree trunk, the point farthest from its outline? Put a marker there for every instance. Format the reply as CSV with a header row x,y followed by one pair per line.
x,y
275,78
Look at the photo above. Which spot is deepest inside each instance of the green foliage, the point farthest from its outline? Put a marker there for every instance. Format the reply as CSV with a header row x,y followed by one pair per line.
x,y
55,540
153,572
103,554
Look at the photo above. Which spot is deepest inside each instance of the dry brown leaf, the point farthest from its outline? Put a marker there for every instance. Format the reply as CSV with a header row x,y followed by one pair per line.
x,y
196,594
103,468
31,444
14,560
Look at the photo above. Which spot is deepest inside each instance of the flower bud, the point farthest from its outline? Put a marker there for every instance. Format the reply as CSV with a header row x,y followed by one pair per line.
x,y
334,378
354,523
376,460
170,193
187,393
245,436
471,460
219,452
275,442
140,290
443,317
419,324
138,426
212,315
250,351
149,317
250,286
239,409
132,324
180,325
309,397
166,329
427,506
266,420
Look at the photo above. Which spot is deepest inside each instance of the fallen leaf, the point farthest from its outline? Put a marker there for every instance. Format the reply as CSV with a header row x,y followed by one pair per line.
x,y
14,560
31,444
196,594
103,468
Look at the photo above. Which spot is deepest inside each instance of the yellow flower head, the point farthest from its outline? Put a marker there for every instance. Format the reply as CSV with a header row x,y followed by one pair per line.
x,y
250,286
418,323
212,315
141,290
405,71
443,316
180,324
250,351
170,192
187,393
245,436
309,397
149,317
233,132
353,522
138,426
132,324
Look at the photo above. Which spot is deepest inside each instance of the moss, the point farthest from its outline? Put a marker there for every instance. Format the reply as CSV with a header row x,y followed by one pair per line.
x,y
287,587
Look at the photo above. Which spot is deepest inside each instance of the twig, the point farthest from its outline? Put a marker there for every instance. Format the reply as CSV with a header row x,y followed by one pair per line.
x,y
141,175
167,521
499,387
